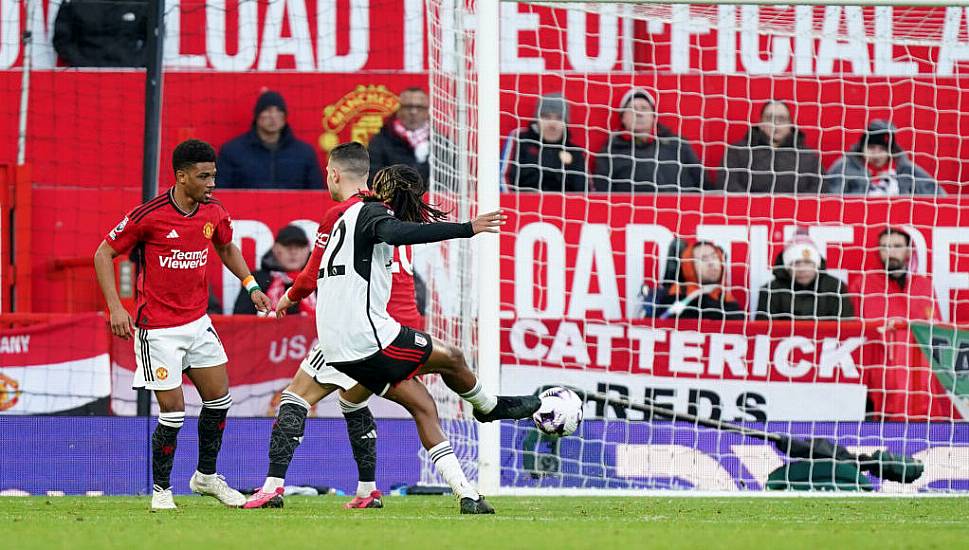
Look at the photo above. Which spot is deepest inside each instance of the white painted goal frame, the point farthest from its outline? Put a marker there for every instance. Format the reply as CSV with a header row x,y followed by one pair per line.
x,y
487,197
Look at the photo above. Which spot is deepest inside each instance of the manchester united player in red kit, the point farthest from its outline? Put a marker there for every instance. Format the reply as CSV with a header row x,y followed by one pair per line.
x,y
171,235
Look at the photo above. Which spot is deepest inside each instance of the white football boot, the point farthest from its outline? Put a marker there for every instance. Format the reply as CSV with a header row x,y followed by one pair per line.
x,y
214,485
161,499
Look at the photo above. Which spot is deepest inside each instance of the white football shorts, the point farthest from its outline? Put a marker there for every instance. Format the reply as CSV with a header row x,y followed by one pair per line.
x,y
162,354
315,366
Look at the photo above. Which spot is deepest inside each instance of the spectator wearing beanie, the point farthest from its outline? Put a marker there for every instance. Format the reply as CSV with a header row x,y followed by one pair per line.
x,y
645,156
771,158
269,156
801,289
878,166
540,156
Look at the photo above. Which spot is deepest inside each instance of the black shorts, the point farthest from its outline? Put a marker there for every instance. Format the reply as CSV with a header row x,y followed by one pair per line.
x,y
395,363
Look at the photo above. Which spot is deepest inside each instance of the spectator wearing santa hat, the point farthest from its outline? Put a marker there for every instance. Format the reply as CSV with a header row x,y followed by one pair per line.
x,y
801,289
878,166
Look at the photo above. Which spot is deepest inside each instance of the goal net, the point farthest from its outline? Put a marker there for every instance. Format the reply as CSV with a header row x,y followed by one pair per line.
x,y
746,213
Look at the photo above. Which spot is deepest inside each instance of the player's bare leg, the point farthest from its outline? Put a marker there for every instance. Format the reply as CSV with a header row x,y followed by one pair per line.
x,y
164,440
212,384
414,397
449,362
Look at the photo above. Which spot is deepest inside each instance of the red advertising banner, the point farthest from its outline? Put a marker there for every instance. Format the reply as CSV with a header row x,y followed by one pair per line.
x,y
733,370
54,367
264,354
580,257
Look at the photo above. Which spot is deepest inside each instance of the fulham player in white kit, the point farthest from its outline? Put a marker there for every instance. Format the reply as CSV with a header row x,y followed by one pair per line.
x,y
359,338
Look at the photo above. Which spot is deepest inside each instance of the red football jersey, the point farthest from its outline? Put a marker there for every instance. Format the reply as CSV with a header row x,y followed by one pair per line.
x,y
173,251
403,303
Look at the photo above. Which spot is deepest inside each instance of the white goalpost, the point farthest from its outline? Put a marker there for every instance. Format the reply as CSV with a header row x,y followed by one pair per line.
x,y
605,218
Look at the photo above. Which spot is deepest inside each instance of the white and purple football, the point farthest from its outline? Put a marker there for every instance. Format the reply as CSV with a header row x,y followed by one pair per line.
x,y
560,413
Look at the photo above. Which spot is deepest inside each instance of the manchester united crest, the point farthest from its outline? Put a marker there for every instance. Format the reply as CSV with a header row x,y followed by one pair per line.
x,y
9,392
363,110
208,230
161,373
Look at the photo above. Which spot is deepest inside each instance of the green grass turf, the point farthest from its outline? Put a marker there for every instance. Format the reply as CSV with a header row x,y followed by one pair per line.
x,y
530,523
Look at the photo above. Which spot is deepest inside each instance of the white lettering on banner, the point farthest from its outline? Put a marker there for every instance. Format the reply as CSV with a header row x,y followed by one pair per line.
x,y
783,356
512,23
686,350
729,350
943,278
179,259
289,348
15,344
543,245
953,49
594,258
606,42
553,242
790,356
603,335
738,49
730,400
215,35
780,57
647,338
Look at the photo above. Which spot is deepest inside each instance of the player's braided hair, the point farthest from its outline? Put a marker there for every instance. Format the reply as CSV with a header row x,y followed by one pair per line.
x,y
403,188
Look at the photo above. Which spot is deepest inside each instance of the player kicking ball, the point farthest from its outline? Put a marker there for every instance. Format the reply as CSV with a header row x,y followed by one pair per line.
x,y
347,171
360,339
171,235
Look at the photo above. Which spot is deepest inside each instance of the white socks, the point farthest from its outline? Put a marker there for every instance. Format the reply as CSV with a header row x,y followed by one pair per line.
x,y
272,483
450,469
480,399
364,488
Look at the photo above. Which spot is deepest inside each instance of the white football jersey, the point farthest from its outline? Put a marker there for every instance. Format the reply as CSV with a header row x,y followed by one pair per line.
x,y
354,287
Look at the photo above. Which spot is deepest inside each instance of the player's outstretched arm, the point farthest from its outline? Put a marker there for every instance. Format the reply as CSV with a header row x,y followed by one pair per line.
x,y
121,323
395,232
232,258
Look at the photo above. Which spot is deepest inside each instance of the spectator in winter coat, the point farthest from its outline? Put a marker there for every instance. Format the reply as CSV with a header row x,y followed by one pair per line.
x,y
280,266
102,33
699,290
771,158
645,156
269,156
405,137
801,289
540,155
877,166
904,389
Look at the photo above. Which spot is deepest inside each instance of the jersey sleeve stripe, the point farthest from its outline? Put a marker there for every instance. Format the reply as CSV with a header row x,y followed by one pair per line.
x,y
137,211
137,218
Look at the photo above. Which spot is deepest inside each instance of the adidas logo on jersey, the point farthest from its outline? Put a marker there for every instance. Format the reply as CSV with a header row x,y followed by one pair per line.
x,y
172,234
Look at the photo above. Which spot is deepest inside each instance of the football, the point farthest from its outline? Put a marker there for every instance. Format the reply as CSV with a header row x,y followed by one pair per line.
x,y
560,413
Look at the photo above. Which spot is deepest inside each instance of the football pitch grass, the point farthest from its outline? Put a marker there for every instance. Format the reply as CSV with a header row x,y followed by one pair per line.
x,y
527,523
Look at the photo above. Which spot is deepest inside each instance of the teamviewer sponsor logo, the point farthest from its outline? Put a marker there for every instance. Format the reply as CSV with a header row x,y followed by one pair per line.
x,y
180,259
